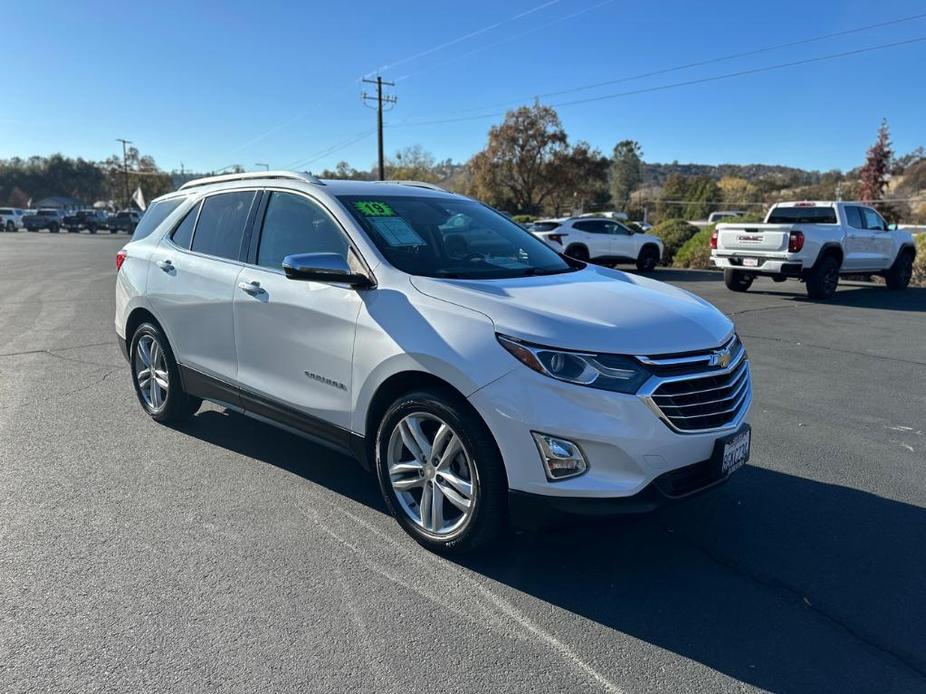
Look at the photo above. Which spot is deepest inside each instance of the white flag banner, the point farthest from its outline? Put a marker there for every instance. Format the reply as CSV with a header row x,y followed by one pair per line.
x,y
139,199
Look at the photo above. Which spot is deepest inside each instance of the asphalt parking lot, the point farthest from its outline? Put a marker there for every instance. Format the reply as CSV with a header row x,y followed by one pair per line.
x,y
227,555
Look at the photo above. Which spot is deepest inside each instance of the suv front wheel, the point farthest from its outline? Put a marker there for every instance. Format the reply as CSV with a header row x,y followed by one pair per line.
x,y
157,379
440,473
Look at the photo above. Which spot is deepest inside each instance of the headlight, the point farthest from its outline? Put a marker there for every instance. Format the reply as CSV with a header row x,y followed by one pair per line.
x,y
604,371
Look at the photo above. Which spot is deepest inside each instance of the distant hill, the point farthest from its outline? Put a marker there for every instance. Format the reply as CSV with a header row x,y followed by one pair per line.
x,y
656,174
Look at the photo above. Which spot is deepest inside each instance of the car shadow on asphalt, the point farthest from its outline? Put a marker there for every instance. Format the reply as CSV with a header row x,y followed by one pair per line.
x,y
767,579
318,464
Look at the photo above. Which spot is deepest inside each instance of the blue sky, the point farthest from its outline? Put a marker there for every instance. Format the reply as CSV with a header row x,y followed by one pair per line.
x,y
210,84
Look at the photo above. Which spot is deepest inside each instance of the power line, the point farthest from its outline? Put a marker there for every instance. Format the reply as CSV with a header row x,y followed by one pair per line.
x,y
465,37
711,61
331,150
380,99
674,85
508,39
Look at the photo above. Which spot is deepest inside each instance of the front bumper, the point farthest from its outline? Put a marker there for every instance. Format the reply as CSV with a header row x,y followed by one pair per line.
x,y
626,445
767,266
535,510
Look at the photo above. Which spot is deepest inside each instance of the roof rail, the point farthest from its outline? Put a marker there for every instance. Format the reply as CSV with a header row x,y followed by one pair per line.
x,y
252,175
416,184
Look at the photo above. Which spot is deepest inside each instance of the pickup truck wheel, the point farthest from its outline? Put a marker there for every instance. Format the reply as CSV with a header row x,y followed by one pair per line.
x,y
649,257
823,279
898,277
737,280
10,226
440,472
53,229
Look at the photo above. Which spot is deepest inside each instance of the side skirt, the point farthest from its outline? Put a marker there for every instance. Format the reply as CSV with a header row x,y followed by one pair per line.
x,y
275,413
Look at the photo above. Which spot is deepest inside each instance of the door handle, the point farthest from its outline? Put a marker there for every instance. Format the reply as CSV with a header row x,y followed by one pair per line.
x,y
250,287
165,265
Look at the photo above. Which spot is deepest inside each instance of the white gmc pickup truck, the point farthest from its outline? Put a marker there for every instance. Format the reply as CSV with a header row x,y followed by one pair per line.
x,y
815,242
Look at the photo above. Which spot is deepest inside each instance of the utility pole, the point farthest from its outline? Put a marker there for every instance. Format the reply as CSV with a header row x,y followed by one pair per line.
x,y
125,168
380,100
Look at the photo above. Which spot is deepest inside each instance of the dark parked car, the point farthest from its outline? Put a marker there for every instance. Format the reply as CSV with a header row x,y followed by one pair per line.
x,y
48,218
124,221
91,220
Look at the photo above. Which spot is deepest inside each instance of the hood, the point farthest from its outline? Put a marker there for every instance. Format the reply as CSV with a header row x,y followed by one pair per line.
x,y
593,309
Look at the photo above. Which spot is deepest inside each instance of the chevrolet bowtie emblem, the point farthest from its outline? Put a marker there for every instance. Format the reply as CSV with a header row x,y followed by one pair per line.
x,y
721,358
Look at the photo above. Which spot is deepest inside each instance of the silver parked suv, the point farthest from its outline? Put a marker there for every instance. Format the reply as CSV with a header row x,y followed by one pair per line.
x,y
478,371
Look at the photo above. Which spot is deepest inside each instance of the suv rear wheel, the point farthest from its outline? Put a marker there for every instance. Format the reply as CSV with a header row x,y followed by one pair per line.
x,y
440,473
737,280
578,252
898,277
823,279
156,377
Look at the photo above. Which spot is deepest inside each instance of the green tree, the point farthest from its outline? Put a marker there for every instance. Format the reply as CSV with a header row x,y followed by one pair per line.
x,y
412,163
582,176
702,192
877,165
626,171
518,166
674,190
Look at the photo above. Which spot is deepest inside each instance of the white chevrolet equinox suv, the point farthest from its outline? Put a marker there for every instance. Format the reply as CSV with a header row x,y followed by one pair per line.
x,y
483,376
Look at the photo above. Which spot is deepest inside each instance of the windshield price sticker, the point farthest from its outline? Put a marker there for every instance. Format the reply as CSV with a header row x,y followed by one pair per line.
x,y
372,208
396,232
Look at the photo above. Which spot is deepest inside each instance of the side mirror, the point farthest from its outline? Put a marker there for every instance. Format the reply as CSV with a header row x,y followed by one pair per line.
x,y
331,268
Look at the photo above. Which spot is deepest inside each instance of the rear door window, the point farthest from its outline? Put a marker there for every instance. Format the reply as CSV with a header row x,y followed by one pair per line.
x,y
854,217
543,226
183,234
220,228
156,213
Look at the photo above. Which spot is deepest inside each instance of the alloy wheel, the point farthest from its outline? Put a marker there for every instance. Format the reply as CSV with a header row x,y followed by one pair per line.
x,y
432,474
151,372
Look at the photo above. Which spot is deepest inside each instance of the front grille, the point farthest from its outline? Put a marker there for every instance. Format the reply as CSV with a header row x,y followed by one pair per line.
x,y
705,400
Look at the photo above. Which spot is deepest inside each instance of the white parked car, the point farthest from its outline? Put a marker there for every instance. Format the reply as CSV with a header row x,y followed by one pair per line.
x,y
815,242
479,373
720,215
599,240
11,218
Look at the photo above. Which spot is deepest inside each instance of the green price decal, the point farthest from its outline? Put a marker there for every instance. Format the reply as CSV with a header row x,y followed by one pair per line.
x,y
371,208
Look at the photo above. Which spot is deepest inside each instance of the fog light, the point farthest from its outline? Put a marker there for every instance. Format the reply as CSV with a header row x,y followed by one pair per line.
x,y
561,457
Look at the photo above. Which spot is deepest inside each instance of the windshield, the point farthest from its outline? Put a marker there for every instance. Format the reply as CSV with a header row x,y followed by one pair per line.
x,y
449,237
48,213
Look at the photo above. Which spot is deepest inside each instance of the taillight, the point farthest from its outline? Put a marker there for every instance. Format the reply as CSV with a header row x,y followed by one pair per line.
x,y
795,241
557,237
120,258
714,239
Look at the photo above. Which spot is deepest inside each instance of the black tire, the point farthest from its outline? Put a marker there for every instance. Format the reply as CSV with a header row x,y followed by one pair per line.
x,y
10,226
91,229
823,279
648,259
779,278
578,252
113,231
898,277
488,518
53,229
177,406
737,280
